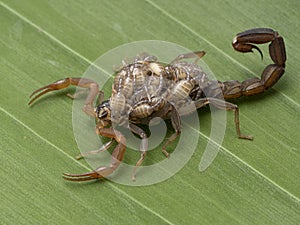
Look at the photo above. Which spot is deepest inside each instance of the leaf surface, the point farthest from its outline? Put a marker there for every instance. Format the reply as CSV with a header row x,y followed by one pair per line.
x,y
248,183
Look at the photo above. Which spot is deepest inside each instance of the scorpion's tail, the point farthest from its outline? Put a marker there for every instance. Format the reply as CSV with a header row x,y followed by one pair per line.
x,y
243,42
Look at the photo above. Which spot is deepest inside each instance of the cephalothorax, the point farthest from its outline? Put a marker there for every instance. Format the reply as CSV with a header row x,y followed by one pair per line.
x,y
145,89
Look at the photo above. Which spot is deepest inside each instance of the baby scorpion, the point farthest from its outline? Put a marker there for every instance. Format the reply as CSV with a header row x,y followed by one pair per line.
x,y
146,88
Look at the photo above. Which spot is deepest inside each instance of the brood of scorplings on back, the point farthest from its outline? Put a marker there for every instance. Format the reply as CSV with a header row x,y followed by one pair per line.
x,y
146,88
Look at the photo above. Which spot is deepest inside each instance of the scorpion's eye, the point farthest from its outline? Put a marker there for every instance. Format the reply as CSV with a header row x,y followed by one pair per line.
x,y
103,111
103,115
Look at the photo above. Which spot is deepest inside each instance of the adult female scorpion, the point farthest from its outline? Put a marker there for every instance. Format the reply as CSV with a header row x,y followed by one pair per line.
x,y
146,89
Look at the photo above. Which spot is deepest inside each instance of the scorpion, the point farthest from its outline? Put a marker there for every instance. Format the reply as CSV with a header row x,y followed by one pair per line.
x,y
146,88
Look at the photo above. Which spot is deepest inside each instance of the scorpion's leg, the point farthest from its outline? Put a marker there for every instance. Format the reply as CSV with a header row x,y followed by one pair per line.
x,y
103,171
94,152
190,55
243,42
143,147
221,104
64,83
176,124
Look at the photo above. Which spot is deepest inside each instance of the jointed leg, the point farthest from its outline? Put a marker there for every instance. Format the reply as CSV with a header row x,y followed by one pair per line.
x,y
190,55
221,104
176,123
94,152
143,147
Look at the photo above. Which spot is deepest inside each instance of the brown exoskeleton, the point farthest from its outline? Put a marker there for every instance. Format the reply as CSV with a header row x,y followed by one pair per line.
x,y
146,89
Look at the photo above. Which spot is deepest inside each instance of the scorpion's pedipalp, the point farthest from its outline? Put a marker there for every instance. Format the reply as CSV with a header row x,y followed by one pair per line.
x,y
39,95
64,83
60,84
116,159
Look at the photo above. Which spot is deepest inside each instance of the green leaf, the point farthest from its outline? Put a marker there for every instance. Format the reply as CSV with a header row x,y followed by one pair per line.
x,y
248,182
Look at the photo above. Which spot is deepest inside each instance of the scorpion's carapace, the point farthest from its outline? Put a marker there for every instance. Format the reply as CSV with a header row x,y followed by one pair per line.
x,y
147,88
